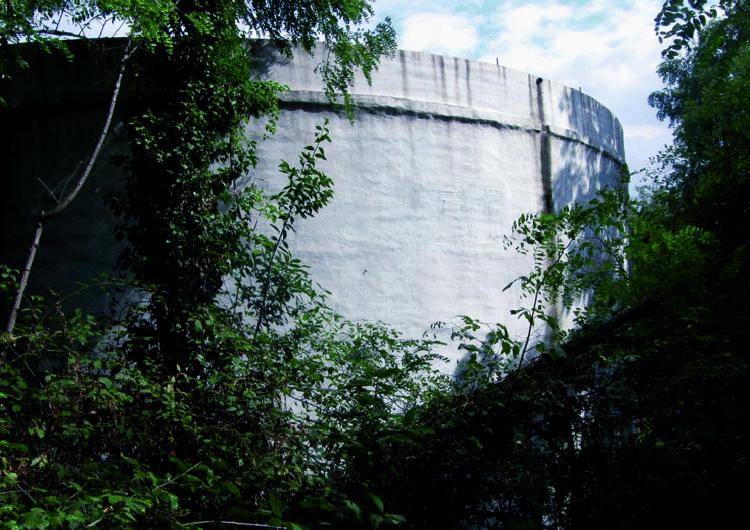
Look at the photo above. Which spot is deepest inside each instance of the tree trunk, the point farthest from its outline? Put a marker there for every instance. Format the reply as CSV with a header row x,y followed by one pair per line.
x,y
65,202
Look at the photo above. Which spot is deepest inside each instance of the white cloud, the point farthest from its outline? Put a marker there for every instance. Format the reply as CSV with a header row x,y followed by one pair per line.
x,y
646,131
439,32
607,48
616,49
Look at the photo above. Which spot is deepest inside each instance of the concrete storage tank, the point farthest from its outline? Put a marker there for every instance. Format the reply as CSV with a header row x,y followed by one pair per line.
x,y
443,156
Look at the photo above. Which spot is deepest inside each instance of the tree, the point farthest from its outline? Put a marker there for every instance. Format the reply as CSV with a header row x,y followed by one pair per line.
x,y
250,401
706,173
639,417
157,25
229,391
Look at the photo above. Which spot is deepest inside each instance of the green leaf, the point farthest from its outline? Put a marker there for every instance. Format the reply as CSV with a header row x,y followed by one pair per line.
x,y
354,509
276,505
376,500
375,520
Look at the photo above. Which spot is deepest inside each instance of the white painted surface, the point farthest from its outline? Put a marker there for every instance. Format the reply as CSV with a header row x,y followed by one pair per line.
x,y
443,156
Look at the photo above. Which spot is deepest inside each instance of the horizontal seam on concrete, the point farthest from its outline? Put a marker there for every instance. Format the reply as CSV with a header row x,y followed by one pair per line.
x,y
572,136
429,110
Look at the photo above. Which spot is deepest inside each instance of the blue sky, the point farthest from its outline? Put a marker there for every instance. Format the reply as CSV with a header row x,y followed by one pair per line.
x,y
606,47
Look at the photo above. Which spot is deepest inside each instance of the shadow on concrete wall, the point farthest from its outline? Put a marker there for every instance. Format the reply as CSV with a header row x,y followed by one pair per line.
x,y
590,119
579,172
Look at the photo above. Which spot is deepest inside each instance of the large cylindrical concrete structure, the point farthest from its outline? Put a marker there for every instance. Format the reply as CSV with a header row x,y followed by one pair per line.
x,y
443,155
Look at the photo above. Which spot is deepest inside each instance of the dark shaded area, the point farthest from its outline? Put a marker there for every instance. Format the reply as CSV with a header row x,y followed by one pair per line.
x,y
644,423
50,126
55,109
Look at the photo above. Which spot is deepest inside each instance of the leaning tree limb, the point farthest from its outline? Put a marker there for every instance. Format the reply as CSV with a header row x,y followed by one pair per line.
x,y
45,216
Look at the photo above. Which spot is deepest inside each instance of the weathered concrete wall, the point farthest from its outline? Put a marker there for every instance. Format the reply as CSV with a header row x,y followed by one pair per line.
x,y
443,156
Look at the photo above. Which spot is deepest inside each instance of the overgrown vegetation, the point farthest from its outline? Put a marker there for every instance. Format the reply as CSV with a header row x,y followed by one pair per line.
x,y
230,393
227,391
640,418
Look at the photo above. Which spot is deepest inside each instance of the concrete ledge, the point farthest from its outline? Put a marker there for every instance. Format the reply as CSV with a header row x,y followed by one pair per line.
x,y
430,110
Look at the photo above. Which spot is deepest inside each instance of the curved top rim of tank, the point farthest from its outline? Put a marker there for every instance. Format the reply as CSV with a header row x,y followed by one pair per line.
x,y
474,62
491,66
482,64
611,143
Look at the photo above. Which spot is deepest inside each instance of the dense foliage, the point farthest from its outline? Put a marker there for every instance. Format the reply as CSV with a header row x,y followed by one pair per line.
x,y
228,392
640,418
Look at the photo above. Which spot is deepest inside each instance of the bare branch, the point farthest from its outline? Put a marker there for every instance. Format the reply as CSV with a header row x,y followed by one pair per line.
x,y
67,180
59,33
188,470
67,199
24,277
44,184
100,142
234,523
